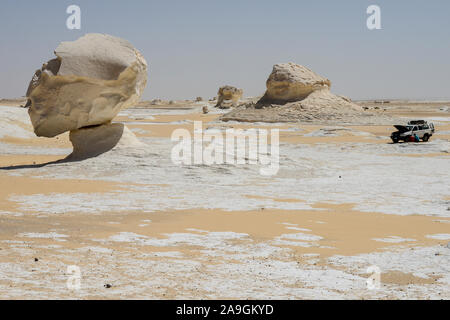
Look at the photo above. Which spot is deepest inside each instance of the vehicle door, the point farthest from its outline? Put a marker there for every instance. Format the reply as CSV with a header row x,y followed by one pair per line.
x,y
418,130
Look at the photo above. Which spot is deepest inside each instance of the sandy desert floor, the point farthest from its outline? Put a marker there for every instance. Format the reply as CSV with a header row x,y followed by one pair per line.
x,y
141,227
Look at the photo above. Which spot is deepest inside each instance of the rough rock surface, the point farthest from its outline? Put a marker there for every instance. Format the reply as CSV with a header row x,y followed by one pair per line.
x,y
297,94
93,141
227,94
293,82
89,82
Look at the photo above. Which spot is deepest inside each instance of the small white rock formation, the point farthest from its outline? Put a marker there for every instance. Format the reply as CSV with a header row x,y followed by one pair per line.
x,y
227,94
88,84
292,82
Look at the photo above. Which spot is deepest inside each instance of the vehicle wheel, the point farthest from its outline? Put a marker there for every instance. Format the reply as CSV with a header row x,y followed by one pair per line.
x,y
395,140
425,138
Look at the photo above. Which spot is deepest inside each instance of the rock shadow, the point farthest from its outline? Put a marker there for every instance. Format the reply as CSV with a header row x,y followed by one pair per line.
x,y
89,142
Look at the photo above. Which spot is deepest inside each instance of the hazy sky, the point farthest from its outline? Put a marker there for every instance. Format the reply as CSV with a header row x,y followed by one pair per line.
x,y
193,47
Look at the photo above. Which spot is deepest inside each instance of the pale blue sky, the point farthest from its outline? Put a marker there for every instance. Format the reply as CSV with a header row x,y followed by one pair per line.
x,y
193,47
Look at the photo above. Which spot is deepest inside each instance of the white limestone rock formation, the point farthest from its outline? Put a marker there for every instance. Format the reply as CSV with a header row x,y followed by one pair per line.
x,y
292,82
302,90
228,96
94,141
323,101
89,82
295,93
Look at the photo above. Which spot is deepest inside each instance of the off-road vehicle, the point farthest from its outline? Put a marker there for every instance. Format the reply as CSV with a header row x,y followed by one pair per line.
x,y
421,128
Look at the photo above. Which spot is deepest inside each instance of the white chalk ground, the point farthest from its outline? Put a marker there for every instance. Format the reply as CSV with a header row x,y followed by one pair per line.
x,y
263,271
376,177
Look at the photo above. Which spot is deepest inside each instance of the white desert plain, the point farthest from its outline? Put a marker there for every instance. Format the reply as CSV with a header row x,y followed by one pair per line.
x,y
88,183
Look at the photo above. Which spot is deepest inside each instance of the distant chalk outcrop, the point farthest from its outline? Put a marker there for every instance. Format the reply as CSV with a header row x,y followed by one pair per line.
x,y
228,96
297,94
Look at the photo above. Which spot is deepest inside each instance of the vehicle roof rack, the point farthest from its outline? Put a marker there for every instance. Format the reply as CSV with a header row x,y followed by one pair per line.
x,y
415,122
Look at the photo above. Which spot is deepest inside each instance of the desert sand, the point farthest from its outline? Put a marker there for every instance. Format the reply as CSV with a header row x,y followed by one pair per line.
x,y
345,199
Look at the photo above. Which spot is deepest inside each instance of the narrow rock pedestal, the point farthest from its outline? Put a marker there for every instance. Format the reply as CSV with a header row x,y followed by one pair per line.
x,y
93,141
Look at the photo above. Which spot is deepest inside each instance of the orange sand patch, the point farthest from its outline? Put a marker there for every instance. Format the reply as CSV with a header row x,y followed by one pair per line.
x,y
418,115
347,232
344,231
61,141
27,159
165,131
171,118
274,199
442,136
403,279
15,185
191,117
160,131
